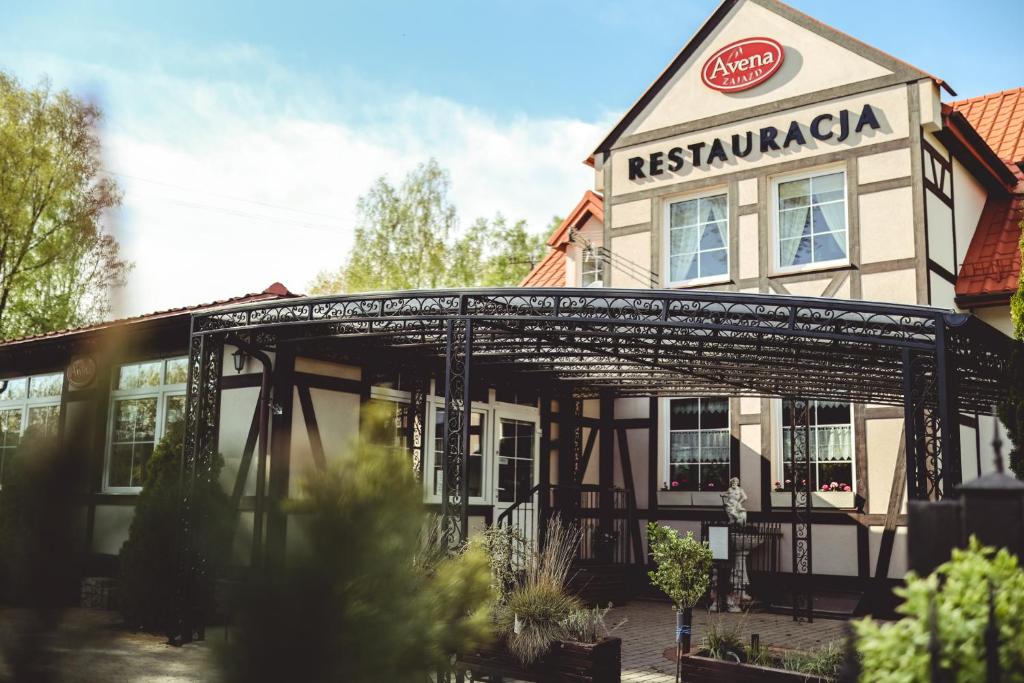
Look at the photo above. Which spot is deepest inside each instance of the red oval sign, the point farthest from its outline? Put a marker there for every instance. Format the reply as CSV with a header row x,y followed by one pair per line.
x,y
742,65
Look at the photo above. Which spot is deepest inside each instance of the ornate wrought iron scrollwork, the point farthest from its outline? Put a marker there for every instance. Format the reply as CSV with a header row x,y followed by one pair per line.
x,y
417,421
457,406
202,418
922,428
802,484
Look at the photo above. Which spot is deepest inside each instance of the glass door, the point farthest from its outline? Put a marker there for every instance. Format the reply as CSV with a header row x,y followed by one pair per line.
x,y
517,445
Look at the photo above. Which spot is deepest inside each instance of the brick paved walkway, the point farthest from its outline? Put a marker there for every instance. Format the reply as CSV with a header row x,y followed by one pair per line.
x,y
650,630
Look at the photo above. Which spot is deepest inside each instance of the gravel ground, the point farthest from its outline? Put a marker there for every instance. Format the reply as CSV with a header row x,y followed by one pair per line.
x,y
90,646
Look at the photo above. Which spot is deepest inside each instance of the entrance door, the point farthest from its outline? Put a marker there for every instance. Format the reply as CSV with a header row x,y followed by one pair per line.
x,y
516,447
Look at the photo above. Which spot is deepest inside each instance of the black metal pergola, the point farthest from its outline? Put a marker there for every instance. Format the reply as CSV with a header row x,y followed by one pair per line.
x,y
583,343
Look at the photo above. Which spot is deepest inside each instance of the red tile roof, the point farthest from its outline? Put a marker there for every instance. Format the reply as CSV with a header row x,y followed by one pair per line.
x,y
274,291
991,268
592,205
550,272
999,119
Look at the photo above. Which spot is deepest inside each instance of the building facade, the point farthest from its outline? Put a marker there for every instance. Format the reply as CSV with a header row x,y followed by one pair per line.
x,y
774,156
777,155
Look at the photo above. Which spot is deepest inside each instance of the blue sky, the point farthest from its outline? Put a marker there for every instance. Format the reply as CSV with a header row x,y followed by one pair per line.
x,y
234,124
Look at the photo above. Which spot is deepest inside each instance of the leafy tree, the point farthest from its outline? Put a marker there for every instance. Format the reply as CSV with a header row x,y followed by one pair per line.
x,y
494,253
358,601
683,569
1011,412
149,558
958,592
407,238
56,262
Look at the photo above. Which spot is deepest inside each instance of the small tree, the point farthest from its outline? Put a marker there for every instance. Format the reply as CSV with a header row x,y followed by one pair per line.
x,y
149,558
683,573
954,600
359,601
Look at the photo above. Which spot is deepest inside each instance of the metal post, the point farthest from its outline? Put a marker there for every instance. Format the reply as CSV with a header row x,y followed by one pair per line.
x,y
948,414
457,419
202,415
800,457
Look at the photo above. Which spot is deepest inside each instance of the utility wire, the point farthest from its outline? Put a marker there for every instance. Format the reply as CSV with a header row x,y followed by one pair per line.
x,y
220,196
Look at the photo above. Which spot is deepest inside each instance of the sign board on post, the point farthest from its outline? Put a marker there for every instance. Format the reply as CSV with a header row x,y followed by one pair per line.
x,y
718,539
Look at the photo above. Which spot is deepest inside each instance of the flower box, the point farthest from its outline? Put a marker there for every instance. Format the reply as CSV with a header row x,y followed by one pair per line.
x,y
819,499
694,498
599,662
697,669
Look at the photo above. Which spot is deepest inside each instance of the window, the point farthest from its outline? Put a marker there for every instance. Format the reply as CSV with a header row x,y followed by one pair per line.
x,y
28,405
697,238
811,220
393,431
147,399
591,270
515,459
831,448
699,444
476,454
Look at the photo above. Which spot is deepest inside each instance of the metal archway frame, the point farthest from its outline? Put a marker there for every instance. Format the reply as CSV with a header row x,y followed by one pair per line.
x,y
591,342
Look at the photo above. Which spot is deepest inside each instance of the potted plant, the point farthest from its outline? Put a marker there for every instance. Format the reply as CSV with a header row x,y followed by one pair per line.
x,y
682,572
544,633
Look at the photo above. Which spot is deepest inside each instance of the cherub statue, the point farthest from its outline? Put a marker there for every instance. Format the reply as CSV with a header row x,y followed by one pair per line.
x,y
733,500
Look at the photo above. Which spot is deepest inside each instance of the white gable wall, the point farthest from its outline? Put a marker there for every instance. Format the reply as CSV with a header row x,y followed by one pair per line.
x,y
812,63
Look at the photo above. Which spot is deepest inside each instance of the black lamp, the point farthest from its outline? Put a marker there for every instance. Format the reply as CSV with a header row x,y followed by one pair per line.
x,y
239,357
993,506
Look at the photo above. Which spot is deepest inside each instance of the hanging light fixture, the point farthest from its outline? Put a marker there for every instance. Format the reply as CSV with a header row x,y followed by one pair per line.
x,y
239,358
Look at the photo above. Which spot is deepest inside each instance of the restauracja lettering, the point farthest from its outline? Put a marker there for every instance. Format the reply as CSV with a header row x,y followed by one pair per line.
x,y
768,139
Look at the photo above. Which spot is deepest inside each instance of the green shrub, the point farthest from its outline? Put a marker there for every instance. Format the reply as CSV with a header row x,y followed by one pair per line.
x,y
362,599
824,662
536,608
587,625
534,619
898,652
149,558
683,565
724,639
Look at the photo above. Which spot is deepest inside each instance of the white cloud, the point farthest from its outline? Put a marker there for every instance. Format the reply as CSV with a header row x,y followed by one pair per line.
x,y
248,129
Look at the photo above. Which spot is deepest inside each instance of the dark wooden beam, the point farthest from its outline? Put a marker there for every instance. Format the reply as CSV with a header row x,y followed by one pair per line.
x,y
316,444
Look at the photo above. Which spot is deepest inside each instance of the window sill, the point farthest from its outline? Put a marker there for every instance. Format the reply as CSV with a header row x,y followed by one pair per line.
x,y
690,498
823,267
840,500
703,282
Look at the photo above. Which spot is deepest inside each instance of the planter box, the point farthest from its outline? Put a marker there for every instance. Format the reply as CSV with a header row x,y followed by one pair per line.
x,y
599,662
690,498
698,669
832,499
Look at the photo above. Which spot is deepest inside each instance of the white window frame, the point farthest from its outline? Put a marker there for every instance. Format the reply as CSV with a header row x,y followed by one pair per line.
x,y
161,393
667,444
666,239
598,267
435,403
780,468
520,413
777,267
27,403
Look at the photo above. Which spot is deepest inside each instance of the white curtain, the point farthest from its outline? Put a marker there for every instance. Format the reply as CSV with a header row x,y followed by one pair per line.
x,y
835,216
791,225
834,444
683,251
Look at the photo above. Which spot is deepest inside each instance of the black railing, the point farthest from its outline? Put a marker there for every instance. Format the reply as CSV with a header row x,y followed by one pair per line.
x,y
607,536
763,561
